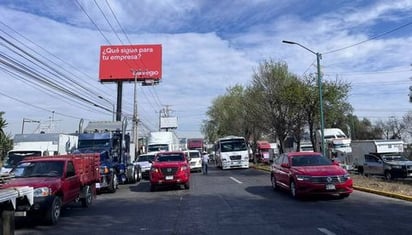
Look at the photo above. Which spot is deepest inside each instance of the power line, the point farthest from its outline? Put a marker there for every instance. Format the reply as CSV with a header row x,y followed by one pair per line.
x,y
370,39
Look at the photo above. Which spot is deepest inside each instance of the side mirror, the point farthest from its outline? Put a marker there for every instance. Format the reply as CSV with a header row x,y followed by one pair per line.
x,y
285,165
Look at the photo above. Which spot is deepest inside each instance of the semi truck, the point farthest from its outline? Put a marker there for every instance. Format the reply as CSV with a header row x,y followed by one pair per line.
x,y
162,141
56,181
38,144
381,157
337,146
195,144
111,141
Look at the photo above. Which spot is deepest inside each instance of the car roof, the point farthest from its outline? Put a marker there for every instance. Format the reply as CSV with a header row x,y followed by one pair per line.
x,y
292,154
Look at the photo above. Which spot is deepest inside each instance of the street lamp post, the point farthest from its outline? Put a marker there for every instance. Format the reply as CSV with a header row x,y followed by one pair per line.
x,y
322,119
112,104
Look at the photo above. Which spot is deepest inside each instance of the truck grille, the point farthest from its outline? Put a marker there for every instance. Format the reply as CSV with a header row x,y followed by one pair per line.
x,y
235,157
168,170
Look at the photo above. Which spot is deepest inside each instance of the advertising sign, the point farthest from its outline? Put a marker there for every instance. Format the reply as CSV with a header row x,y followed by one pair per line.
x,y
168,122
123,63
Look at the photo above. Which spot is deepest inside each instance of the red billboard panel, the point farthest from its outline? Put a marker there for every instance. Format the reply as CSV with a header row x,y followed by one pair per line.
x,y
123,63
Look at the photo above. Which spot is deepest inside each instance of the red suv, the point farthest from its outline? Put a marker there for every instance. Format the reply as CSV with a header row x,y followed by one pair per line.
x,y
304,173
170,168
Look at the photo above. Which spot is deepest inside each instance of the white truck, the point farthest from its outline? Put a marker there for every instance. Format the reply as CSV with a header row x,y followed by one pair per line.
x,y
39,144
381,157
162,141
337,146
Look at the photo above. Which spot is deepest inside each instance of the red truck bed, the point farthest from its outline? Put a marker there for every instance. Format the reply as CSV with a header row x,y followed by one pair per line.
x,y
87,167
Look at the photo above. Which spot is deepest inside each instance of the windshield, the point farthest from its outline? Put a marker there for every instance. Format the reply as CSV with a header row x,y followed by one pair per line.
x,y
157,147
310,160
39,169
15,157
170,157
194,154
233,145
90,144
145,158
392,158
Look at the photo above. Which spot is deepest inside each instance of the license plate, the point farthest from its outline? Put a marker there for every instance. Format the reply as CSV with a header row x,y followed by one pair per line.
x,y
97,185
330,187
169,177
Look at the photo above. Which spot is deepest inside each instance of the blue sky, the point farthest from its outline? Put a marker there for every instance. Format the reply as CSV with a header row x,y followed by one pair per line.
x,y
208,46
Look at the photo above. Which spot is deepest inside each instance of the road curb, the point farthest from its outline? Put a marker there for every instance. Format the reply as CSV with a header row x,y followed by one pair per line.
x,y
368,190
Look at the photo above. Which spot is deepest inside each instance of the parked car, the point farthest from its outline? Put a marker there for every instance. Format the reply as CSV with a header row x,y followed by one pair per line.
x,y
144,161
195,160
307,173
170,168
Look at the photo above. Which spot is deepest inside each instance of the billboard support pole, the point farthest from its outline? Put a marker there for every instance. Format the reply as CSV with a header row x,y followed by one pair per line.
x,y
119,100
135,117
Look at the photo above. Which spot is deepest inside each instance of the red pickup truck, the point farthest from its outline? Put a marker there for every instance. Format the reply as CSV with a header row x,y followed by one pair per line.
x,y
57,181
170,168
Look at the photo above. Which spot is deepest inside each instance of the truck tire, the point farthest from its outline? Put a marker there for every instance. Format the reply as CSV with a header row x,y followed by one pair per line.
x,y
88,197
113,184
53,213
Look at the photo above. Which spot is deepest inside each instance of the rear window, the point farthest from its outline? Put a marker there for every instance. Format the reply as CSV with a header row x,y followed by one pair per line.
x,y
176,157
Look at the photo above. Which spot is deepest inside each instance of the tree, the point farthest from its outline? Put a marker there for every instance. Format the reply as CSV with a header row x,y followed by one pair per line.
x,y
278,92
5,139
226,115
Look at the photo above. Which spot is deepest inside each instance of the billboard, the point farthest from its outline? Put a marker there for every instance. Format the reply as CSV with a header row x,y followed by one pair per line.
x,y
124,62
168,122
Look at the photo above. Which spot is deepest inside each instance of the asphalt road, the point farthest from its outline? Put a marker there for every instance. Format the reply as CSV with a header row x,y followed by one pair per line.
x,y
228,202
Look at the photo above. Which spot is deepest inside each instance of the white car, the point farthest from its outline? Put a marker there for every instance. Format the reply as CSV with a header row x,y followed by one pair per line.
x,y
195,160
144,161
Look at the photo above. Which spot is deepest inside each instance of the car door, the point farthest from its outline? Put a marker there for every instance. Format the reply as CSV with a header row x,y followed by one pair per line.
x,y
372,165
283,172
71,183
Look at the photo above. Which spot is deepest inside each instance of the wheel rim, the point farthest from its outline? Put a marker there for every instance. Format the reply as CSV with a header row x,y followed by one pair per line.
x,y
56,210
388,175
273,182
88,196
293,189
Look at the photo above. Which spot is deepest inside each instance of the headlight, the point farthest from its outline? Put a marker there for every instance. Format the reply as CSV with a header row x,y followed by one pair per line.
x,y
344,177
303,177
183,168
104,170
153,169
42,192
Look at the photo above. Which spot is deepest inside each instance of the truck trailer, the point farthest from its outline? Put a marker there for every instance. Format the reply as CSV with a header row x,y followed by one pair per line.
x,y
39,144
162,141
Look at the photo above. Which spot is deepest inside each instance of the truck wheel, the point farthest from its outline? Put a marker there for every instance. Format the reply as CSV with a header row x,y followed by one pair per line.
x,y
53,213
388,175
88,197
113,184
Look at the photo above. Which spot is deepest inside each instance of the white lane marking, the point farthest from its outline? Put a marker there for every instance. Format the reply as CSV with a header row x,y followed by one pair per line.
x,y
325,231
237,181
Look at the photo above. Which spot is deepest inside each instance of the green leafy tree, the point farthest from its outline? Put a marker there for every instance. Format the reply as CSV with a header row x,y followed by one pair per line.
x,y
226,115
5,139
